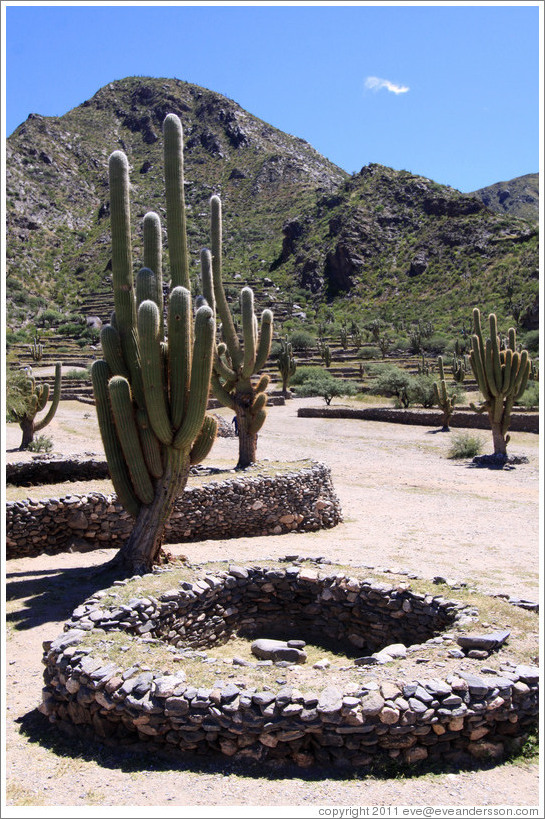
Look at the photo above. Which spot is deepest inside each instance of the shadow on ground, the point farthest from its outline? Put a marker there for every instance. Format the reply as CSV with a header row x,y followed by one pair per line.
x,y
140,757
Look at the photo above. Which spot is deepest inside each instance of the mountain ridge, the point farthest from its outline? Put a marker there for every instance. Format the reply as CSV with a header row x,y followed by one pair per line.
x,y
291,217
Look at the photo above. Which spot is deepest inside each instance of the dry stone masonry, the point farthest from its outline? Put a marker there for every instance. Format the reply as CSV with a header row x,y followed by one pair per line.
x,y
406,721
302,500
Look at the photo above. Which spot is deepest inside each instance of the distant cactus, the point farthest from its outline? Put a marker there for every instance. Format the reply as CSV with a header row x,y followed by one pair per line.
x,y
501,376
151,393
35,398
344,338
443,400
237,361
423,368
324,351
534,372
37,349
286,363
459,368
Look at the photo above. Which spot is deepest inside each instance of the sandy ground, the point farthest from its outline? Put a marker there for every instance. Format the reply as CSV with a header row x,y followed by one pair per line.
x,y
406,506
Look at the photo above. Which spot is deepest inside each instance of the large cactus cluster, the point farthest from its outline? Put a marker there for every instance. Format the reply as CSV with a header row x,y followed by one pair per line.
x,y
152,386
36,397
501,375
443,399
237,360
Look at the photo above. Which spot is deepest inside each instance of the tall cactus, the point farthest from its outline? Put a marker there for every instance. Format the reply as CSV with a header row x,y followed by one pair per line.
x,y
286,363
237,361
151,392
443,400
37,349
36,397
501,376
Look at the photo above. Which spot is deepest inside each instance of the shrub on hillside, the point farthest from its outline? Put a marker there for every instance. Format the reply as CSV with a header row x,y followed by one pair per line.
x,y
322,383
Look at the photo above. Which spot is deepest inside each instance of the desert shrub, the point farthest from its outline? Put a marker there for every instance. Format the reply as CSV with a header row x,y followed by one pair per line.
x,y
368,353
322,383
301,340
436,344
530,342
303,373
465,445
421,391
78,375
530,396
393,382
41,444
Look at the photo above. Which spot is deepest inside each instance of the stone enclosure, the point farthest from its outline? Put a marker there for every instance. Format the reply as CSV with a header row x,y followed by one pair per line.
x,y
461,717
302,500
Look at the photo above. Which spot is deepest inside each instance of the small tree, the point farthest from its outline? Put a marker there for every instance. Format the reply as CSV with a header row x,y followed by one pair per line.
x,y
501,376
322,383
394,381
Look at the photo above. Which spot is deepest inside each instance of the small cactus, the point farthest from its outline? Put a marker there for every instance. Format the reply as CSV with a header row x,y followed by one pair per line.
x,y
37,349
443,400
501,376
459,369
286,363
237,361
37,397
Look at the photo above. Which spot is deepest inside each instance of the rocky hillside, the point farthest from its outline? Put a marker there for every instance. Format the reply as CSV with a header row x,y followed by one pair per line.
x,y
518,197
381,243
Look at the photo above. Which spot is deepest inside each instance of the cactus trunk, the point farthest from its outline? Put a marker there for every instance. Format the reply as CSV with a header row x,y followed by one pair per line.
x,y
141,550
247,441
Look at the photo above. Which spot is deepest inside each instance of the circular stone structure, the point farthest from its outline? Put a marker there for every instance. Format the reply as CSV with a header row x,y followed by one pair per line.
x,y
440,720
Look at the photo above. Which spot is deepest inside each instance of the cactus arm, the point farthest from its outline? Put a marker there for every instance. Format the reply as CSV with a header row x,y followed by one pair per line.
x,y
262,384
54,401
42,394
152,371
249,331
256,421
201,370
207,279
227,325
204,440
122,408
124,294
151,448
223,395
221,366
179,352
495,345
265,339
175,201
146,288
112,448
153,258
522,375
111,350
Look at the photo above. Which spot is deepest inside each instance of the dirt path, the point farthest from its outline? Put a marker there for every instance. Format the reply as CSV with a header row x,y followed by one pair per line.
x,y
405,506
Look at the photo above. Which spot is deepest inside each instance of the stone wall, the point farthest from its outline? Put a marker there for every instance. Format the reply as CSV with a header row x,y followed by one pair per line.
x,y
303,500
520,421
443,721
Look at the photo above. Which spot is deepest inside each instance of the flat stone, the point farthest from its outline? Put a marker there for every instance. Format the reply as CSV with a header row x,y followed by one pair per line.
x,y
277,651
486,642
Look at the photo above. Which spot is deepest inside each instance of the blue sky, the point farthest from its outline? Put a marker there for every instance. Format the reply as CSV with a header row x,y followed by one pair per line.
x,y
450,92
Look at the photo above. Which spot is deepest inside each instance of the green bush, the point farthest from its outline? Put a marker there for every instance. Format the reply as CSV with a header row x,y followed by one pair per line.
x,y
465,445
393,382
369,353
41,444
530,342
421,391
303,373
436,344
530,396
301,340
322,383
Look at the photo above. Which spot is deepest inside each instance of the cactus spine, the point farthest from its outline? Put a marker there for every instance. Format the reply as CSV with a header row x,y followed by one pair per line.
x,y
151,392
37,397
237,361
501,376
443,400
286,363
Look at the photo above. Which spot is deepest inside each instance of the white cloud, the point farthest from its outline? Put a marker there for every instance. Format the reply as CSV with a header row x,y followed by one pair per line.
x,y
376,84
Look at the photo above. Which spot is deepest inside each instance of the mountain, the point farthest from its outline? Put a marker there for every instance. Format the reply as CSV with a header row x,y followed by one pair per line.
x,y
380,243
518,197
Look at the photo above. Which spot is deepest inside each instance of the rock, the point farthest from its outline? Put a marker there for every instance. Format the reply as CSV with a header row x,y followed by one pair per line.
x,y
277,651
486,642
